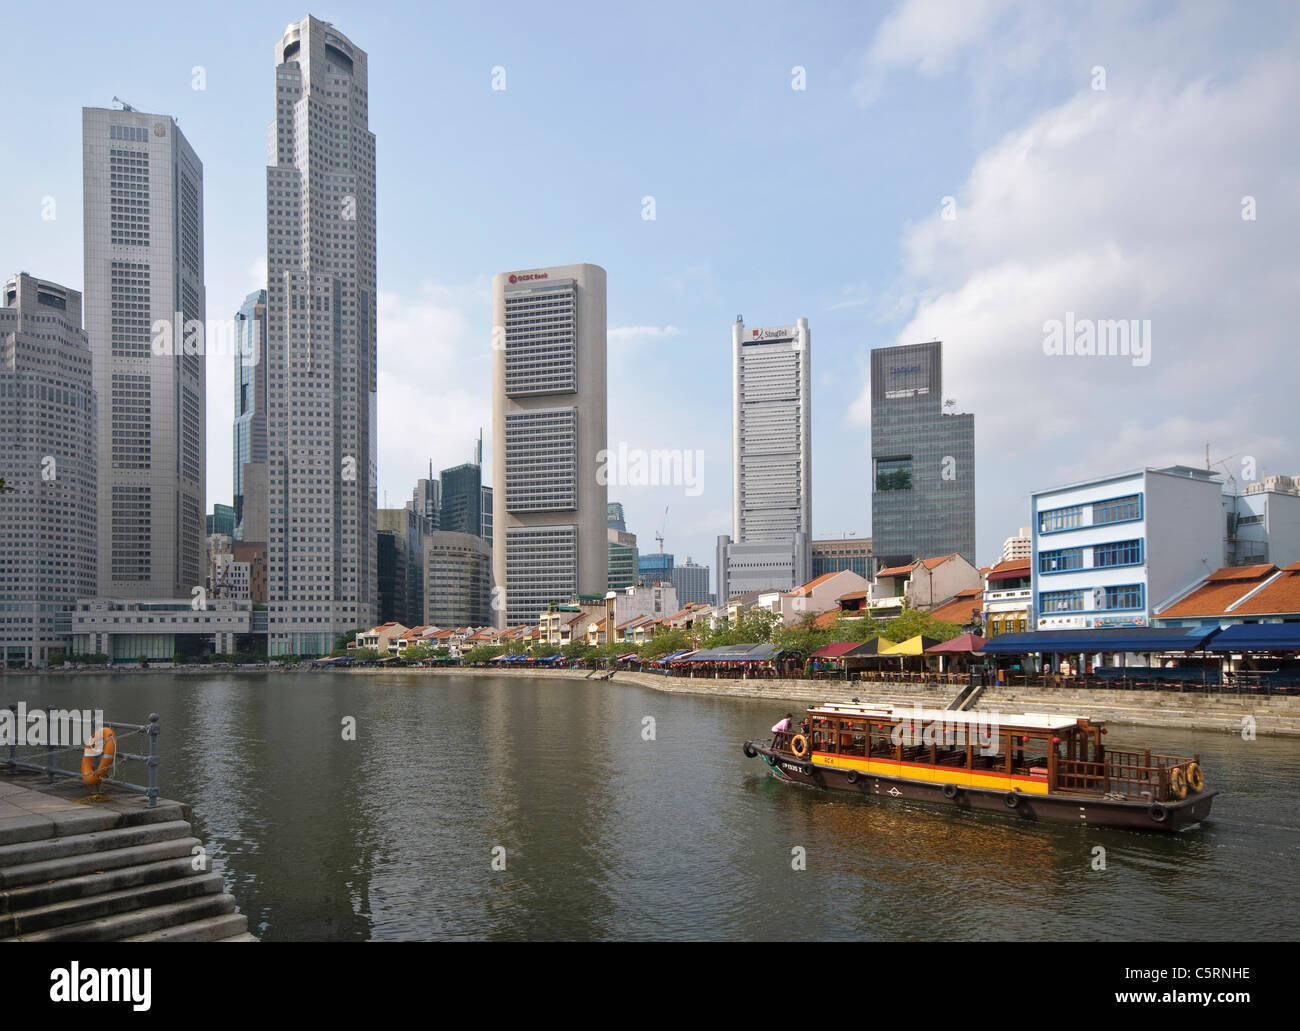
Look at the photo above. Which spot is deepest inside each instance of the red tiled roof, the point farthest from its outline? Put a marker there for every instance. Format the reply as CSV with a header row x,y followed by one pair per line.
x,y
959,609
1241,572
811,585
1281,597
827,619
934,563
853,595
897,570
1220,589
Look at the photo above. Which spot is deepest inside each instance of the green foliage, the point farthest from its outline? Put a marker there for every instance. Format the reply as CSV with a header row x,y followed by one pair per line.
x,y
753,627
82,659
417,654
482,653
576,650
365,654
664,642
344,639
911,622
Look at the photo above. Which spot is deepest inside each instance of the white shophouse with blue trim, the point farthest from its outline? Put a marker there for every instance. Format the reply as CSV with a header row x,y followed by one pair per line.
x,y
1108,552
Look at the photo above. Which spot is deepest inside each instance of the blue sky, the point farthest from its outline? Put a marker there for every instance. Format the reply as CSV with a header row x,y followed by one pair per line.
x,y
771,202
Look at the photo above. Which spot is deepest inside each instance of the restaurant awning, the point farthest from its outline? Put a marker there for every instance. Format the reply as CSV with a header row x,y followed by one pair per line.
x,y
966,644
1257,637
629,655
912,646
835,650
736,653
1126,639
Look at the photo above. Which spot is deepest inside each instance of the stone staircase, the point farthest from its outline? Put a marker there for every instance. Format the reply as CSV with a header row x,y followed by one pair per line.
x,y
116,871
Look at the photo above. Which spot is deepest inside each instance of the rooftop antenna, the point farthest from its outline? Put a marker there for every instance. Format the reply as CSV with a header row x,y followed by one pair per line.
x,y
125,105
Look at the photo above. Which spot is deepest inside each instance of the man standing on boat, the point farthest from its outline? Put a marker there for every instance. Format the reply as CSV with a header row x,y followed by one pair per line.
x,y
785,726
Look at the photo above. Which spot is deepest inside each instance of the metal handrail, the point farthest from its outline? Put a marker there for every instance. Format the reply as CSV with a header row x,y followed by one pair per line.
x,y
152,760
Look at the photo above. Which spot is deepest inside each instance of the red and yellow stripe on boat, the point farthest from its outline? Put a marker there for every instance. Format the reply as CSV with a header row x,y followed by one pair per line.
x,y
927,774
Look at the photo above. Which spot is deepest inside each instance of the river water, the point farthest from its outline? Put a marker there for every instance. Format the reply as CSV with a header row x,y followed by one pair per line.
x,y
603,834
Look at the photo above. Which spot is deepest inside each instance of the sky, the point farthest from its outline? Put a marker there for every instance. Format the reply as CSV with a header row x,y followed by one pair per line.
x,y
962,170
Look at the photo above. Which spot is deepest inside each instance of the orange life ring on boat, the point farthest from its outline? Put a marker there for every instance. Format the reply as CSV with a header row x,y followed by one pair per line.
x,y
799,745
1178,782
104,745
1195,779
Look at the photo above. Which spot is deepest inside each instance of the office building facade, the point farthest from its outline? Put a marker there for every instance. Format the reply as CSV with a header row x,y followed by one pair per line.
x,y
771,460
47,438
461,507
250,413
848,553
1109,552
692,583
923,460
457,571
548,429
321,343
655,568
146,317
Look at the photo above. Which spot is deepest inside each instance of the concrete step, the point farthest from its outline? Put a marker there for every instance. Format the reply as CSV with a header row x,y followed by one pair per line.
x,y
82,910
39,827
95,862
241,938
17,901
25,853
228,927
117,926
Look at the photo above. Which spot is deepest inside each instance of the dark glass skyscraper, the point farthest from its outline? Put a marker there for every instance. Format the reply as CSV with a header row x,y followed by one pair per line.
x,y
923,460
250,395
461,510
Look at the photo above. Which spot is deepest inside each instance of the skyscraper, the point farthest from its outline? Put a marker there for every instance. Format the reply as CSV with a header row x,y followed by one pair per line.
x,y
923,460
321,345
771,461
47,460
250,415
462,499
548,429
145,319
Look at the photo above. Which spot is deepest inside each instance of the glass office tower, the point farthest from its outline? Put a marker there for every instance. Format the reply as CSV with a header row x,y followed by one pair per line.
x,y
923,460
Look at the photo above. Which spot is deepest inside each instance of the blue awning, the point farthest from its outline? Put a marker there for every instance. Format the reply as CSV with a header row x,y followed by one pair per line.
x,y
1127,639
1258,637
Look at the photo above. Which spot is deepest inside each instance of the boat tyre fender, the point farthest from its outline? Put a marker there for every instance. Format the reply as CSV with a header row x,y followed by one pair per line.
x,y
1012,799
1195,779
950,791
853,776
1178,782
1158,813
749,751
799,746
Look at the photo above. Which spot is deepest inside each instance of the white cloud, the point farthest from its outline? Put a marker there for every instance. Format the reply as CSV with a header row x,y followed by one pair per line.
x,y
434,383
622,333
926,34
1123,204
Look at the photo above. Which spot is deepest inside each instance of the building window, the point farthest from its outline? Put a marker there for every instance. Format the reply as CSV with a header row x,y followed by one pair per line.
x,y
1121,553
1117,510
1060,601
893,474
1061,561
1127,596
1058,519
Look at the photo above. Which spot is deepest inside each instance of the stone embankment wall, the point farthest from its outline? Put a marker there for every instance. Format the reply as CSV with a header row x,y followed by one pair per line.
x,y
1271,715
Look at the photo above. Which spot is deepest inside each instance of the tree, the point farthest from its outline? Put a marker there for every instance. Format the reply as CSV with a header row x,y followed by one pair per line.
x,y
481,653
344,639
365,654
665,642
576,650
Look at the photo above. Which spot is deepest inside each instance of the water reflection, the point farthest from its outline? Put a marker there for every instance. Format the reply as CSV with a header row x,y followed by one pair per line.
x,y
608,835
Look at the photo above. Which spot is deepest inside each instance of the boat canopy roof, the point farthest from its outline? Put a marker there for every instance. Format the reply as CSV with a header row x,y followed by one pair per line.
x,y
1027,720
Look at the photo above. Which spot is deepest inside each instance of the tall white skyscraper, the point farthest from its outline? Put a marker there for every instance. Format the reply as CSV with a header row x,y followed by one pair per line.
x,y
320,256
145,313
771,461
548,429
47,459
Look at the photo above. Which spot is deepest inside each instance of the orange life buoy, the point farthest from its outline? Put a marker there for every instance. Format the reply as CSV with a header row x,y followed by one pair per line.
x,y
103,745
1195,779
799,745
1178,782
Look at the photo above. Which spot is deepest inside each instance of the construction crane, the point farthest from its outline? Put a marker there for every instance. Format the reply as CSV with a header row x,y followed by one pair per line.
x,y
660,535
125,105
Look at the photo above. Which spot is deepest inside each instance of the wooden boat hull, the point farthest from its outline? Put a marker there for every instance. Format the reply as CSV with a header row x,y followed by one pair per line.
x,y
1082,810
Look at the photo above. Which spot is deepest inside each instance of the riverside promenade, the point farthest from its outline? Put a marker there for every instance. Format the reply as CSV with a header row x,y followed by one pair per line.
x,y
1276,715
72,869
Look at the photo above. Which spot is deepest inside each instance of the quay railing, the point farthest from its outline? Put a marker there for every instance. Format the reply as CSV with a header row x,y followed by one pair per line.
x,y
121,732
